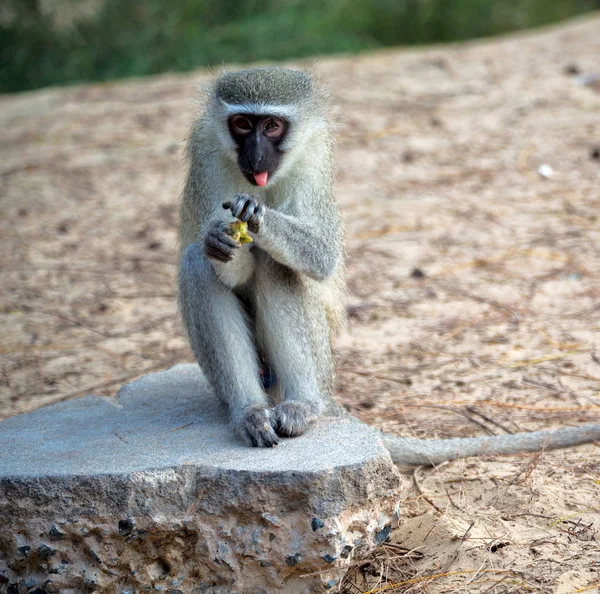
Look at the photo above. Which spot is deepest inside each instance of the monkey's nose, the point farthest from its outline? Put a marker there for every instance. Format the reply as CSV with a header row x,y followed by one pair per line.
x,y
256,168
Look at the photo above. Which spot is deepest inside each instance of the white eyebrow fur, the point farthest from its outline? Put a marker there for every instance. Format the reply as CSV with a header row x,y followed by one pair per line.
x,y
285,111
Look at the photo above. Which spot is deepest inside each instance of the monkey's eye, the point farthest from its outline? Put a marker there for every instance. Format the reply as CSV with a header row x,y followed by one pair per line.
x,y
241,125
273,127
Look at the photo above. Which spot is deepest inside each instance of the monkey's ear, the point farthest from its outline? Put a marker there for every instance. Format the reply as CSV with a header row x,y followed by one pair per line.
x,y
323,97
205,89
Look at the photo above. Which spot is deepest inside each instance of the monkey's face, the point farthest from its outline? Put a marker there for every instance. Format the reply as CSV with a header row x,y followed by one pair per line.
x,y
258,140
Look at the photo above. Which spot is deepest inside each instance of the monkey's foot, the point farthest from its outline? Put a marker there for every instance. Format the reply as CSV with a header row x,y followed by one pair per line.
x,y
291,419
255,428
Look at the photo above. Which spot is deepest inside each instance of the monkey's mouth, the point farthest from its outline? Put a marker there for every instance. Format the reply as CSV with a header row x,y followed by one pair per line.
x,y
261,178
257,179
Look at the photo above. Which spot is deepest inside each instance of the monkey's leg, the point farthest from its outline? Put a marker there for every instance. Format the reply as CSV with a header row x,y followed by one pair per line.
x,y
292,329
222,343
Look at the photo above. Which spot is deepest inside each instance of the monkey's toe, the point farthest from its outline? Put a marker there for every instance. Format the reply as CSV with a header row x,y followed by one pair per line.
x,y
255,428
291,419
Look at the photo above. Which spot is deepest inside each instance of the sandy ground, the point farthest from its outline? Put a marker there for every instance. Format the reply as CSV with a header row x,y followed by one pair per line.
x,y
475,280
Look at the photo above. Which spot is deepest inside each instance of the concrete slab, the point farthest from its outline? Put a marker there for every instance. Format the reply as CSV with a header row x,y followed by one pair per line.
x,y
157,477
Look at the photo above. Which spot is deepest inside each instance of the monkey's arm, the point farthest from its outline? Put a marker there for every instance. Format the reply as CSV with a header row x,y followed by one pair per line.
x,y
311,244
299,246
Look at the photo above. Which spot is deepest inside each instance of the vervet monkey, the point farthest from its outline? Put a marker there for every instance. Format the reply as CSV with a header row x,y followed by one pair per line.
x,y
261,316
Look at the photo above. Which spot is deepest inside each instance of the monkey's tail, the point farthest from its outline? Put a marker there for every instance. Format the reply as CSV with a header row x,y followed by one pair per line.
x,y
431,452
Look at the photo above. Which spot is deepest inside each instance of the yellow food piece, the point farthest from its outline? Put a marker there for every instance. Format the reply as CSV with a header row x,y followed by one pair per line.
x,y
239,232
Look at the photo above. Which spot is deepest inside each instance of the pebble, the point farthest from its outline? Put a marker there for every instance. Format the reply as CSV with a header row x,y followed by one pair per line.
x,y
545,171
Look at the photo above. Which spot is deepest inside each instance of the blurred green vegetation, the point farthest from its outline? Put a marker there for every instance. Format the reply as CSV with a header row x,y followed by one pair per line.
x,y
45,42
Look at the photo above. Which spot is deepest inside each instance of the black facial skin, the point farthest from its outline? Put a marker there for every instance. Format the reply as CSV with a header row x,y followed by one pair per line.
x,y
258,139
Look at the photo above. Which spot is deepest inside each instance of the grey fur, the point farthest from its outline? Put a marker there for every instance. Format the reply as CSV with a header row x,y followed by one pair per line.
x,y
429,452
282,296
269,84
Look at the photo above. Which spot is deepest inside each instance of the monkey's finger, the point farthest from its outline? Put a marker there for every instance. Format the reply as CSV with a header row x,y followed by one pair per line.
x,y
256,218
220,250
248,211
256,429
223,250
216,254
239,207
222,241
242,196
227,240
291,419
254,212
243,202
258,212
262,438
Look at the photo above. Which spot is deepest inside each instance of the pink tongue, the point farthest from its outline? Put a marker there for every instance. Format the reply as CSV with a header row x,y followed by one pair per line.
x,y
261,178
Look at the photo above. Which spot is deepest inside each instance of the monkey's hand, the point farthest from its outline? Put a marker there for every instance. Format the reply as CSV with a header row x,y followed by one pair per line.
x,y
255,428
291,419
247,209
219,244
